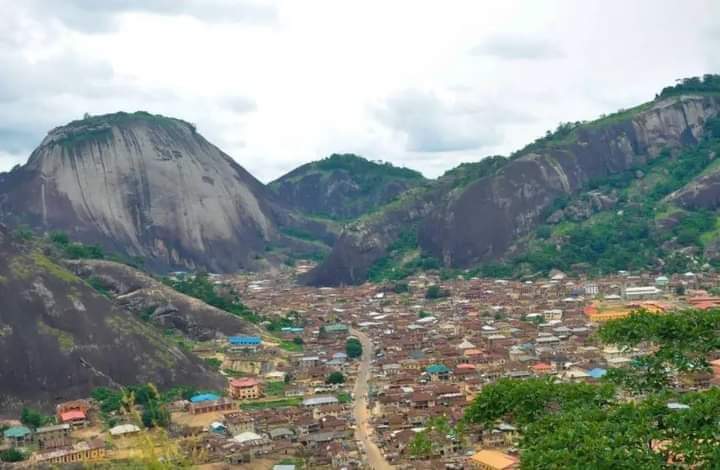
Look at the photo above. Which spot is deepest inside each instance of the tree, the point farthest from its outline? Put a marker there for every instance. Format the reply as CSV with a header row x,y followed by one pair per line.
x,y
420,446
11,455
353,348
33,418
435,292
155,415
335,378
298,340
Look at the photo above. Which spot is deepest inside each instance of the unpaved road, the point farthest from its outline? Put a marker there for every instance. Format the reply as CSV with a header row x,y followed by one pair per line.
x,y
375,458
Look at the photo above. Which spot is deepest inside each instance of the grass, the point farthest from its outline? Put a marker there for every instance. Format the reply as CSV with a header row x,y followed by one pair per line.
x,y
270,404
344,397
290,346
274,389
65,339
52,268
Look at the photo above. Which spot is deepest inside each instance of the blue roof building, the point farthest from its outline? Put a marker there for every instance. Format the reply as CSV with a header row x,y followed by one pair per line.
x,y
597,373
204,397
245,340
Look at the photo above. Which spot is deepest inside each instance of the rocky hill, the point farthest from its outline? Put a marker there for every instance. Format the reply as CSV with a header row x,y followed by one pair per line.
x,y
159,304
475,216
60,338
146,186
343,186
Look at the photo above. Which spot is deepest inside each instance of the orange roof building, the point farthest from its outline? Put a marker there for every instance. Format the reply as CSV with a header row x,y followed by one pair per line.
x,y
493,460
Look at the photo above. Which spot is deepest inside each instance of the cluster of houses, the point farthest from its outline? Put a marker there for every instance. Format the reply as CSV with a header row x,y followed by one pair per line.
x,y
433,356
430,358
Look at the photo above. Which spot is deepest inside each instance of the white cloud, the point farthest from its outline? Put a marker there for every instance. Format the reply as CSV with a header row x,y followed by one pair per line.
x,y
430,124
518,47
278,83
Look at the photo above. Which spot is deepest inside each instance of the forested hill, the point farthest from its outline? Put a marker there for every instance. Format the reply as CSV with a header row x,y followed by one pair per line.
x,y
343,186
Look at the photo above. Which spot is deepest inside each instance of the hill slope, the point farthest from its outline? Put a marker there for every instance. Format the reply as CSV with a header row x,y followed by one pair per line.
x,y
343,186
480,214
143,185
59,338
163,306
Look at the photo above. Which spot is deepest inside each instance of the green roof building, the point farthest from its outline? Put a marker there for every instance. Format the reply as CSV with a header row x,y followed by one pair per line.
x,y
436,369
17,435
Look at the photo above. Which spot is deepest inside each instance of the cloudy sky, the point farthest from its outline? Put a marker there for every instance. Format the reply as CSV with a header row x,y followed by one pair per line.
x,y
424,84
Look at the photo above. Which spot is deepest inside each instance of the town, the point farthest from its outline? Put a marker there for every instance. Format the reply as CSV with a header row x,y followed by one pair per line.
x,y
354,377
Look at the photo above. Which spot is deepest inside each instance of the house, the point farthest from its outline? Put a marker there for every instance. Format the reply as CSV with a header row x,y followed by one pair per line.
x,y
124,430
209,403
244,342
493,460
51,437
239,422
320,401
336,329
80,452
438,372
244,389
73,412
17,435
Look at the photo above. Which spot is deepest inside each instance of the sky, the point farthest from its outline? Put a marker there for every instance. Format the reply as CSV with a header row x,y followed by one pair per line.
x,y
275,84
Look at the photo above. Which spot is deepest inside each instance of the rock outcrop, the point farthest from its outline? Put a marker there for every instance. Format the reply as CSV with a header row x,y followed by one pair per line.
x,y
482,221
146,186
150,299
59,338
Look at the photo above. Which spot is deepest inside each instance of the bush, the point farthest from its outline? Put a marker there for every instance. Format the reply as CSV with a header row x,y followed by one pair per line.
x,y
335,378
353,348
11,455
33,418
435,292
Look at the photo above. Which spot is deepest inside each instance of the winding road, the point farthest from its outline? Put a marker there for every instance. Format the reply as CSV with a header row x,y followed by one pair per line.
x,y
375,458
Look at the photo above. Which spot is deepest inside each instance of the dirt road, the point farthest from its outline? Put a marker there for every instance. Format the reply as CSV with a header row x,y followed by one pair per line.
x,y
375,458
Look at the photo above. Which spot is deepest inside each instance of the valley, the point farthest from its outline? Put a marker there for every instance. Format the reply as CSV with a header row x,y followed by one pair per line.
x,y
161,307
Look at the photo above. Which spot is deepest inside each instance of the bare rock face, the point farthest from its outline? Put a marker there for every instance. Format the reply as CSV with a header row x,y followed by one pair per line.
x,y
143,185
161,305
480,222
59,338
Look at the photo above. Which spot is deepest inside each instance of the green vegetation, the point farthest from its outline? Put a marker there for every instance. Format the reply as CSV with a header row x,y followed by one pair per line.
x,y
335,378
632,235
466,173
369,182
33,418
269,404
360,166
436,292
274,389
403,259
344,397
436,434
299,234
65,340
200,287
76,250
353,348
401,287
12,455
214,363
709,83
291,346
683,339
581,425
